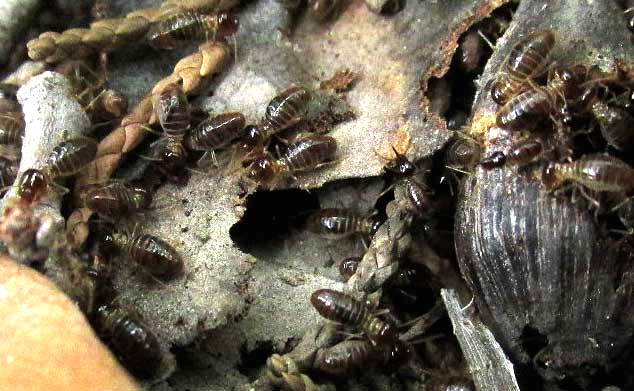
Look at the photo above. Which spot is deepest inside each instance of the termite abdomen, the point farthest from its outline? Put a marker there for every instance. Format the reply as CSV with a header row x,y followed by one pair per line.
x,y
173,112
339,307
286,109
496,159
419,198
216,132
348,266
344,358
130,338
525,111
526,60
11,128
174,30
598,172
155,255
117,199
334,223
71,156
309,153
350,355
614,124
306,154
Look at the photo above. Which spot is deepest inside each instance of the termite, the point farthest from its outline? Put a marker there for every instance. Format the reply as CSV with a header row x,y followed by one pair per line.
x,y
174,30
67,159
339,307
527,59
336,223
308,153
130,338
598,172
117,199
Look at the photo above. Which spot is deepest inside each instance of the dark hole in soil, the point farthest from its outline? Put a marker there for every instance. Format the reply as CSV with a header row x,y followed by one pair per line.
x,y
271,216
252,360
451,96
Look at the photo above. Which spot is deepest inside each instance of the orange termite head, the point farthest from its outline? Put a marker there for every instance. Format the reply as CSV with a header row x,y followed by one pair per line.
x,y
551,178
262,169
32,185
227,24
252,138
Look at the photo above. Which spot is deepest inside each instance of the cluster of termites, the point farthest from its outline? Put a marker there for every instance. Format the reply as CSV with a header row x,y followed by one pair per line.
x,y
372,332
283,145
578,122
80,54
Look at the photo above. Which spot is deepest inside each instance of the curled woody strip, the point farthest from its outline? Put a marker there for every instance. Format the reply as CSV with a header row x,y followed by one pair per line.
x,y
284,373
193,73
108,34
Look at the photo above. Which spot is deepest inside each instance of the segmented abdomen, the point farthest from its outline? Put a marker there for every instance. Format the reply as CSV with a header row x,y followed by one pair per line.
x,y
131,339
71,156
171,32
336,223
309,152
286,109
11,128
524,111
172,110
344,357
216,132
154,254
529,56
339,307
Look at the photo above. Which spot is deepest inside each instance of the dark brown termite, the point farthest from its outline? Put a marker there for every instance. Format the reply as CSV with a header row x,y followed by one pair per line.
x,y
155,255
117,199
173,112
283,111
67,159
527,59
615,125
335,223
70,156
597,172
130,338
348,266
215,133
174,30
11,128
339,307
308,153
520,154
350,355
528,109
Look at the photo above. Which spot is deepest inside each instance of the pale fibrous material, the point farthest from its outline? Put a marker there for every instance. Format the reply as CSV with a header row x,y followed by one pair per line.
x,y
51,115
